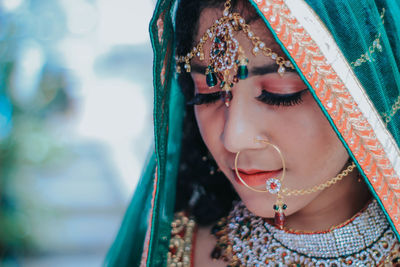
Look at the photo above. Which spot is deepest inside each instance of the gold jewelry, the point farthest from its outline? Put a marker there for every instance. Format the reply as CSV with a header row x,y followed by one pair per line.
x,y
226,53
332,181
274,185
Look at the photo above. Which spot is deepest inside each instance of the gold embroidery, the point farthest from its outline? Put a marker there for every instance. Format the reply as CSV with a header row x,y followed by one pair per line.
x,y
388,116
180,244
376,45
367,56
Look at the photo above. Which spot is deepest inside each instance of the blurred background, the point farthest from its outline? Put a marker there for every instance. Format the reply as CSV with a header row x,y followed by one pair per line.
x,y
75,125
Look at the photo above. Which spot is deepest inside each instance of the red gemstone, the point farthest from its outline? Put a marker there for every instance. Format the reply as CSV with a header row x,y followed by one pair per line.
x,y
279,219
273,185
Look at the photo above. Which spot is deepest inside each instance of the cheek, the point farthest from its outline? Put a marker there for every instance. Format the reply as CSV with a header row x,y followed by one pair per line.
x,y
310,137
305,133
318,128
210,125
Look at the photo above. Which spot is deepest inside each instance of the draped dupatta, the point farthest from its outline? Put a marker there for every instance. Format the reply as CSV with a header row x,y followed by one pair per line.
x,y
346,52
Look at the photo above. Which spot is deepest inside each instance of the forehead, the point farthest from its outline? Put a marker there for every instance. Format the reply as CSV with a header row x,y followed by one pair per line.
x,y
209,15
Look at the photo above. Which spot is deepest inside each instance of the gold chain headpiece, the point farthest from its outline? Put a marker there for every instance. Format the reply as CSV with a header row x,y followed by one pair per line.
x,y
226,53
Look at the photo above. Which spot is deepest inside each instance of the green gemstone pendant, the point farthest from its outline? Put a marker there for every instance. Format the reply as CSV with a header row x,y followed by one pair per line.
x,y
211,79
242,72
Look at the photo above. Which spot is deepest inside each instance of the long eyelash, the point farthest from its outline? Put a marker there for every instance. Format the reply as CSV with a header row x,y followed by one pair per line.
x,y
281,99
266,97
200,99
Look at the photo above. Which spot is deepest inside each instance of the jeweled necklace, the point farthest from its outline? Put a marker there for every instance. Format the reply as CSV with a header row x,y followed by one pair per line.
x,y
244,239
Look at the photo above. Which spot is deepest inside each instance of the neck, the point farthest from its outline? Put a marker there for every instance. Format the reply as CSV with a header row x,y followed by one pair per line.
x,y
332,207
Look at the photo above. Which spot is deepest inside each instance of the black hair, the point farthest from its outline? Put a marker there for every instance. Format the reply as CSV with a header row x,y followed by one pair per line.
x,y
202,189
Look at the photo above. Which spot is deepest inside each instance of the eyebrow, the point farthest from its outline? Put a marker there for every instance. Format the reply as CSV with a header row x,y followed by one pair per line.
x,y
256,71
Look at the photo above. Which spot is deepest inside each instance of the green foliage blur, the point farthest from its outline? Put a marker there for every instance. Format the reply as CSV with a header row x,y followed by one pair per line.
x,y
32,89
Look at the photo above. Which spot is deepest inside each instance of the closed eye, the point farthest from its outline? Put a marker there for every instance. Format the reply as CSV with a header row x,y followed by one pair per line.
x,y
265,97
281,99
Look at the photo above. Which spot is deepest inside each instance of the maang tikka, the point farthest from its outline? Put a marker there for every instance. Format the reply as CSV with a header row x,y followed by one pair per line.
x,y
227,54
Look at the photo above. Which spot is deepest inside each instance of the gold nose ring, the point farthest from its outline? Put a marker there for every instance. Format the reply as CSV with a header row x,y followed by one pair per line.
x,y
273,185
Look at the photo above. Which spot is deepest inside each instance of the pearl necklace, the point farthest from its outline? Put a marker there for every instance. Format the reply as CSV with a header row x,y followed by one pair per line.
x,y
248,240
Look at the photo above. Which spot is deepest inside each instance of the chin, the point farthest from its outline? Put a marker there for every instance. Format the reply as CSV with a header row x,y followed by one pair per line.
x,y
262,204
259,204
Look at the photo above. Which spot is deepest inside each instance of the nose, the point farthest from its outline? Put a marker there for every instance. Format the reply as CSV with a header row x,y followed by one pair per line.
x,y
242,124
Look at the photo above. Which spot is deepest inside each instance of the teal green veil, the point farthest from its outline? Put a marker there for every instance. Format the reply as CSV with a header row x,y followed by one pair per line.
x,y
347,52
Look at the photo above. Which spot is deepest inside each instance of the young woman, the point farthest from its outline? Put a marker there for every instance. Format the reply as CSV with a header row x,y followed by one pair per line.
x,y
283,150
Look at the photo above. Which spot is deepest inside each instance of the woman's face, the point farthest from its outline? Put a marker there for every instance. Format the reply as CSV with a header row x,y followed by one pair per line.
x,y
312,151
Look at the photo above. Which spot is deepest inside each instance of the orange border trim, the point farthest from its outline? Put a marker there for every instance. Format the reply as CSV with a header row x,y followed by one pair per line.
x,y
338,102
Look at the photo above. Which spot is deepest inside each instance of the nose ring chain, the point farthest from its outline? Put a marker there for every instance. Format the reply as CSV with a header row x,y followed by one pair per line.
x,y
275,185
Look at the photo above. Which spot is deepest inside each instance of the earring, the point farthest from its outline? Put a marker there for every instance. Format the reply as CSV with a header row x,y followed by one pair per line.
x,y
272,185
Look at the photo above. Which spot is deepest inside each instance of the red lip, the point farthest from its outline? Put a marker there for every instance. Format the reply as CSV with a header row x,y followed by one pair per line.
x,y
256,177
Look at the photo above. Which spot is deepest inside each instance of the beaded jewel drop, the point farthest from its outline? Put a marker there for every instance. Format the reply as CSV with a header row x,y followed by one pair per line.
x,y
242,61
226,94
279,218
